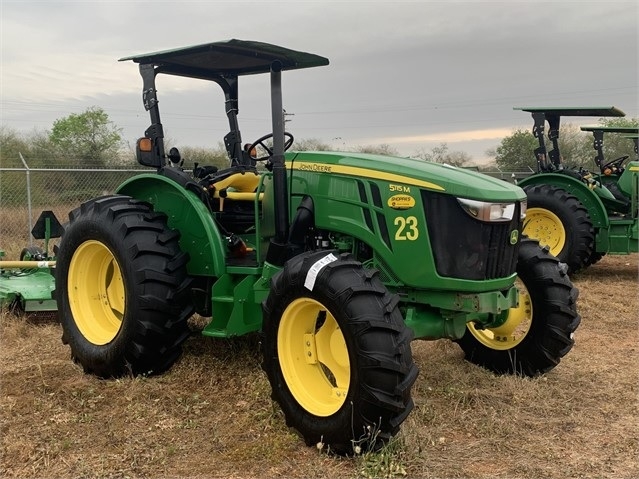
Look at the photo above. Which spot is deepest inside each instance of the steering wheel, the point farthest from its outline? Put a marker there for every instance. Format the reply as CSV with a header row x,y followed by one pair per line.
x,y
615,164
288,141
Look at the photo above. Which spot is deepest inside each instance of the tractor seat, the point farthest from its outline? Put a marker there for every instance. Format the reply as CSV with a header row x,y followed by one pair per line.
x,y
235,183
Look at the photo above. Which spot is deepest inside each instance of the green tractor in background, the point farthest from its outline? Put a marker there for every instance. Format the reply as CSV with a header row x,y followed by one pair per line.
x,y
578,214
338,260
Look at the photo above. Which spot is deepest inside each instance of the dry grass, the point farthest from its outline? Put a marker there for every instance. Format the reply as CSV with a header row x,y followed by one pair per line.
x,y
211,415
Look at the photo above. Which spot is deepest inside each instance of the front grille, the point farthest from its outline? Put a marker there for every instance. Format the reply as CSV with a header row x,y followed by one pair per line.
x,y
465,247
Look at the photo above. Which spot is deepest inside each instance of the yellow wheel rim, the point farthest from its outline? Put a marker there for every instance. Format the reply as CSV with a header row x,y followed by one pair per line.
x,y
546,227
313,357
514,330
96,292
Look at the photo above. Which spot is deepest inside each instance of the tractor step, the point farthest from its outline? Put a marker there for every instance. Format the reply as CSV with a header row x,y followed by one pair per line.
x,y
248,261
621,238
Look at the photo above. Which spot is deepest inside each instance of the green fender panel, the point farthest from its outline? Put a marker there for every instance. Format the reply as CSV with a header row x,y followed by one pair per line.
x,y
628,177
200,237
587,197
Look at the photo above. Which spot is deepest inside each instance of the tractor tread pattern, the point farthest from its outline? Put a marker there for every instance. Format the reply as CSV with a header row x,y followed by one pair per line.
x,y
379,398
158,307
555,318
580,233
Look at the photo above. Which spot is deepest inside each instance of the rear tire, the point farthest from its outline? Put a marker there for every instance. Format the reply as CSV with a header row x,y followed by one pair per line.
x,y
122,288
558,220
337,355
537,333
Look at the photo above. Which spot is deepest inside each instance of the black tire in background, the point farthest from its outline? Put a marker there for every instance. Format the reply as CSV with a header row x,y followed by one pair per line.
x,y
32,253
337,353
538,333
558,220
122,288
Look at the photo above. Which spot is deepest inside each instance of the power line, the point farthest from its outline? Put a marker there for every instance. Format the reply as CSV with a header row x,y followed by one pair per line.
x,y
36,106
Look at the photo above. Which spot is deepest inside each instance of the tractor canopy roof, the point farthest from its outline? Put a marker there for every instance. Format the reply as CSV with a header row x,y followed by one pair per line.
x,y
611,129
574,110
229,58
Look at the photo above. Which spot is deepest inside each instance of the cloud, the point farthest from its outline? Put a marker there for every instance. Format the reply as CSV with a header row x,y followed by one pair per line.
x,y
408,73
450,137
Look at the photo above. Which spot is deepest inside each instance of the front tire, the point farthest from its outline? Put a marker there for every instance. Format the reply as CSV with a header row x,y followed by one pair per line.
x,y
537,333
595,257
557,219
337,352
122,288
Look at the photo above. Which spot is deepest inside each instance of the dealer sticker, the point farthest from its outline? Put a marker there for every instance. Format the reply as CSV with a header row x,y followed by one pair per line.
x,y
401,202
311,276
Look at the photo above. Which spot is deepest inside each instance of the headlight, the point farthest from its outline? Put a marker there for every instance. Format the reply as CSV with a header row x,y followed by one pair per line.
x,y
485,211
523,208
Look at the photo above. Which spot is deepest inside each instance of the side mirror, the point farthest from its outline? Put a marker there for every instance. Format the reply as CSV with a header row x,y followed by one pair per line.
x,y
174,156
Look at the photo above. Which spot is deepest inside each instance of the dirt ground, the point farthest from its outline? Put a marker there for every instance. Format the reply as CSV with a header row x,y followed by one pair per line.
x,y
211,415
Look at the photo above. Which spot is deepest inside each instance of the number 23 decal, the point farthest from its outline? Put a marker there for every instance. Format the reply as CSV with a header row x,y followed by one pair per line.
x,y
406,228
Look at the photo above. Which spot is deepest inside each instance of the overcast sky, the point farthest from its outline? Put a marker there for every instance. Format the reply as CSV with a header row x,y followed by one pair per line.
x,y
409,74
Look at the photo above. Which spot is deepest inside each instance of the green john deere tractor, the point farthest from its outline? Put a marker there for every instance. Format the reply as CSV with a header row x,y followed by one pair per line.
x,y
338,260
578,214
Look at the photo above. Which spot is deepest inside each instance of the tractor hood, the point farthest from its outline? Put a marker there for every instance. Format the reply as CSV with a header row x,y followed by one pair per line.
x,y
460,182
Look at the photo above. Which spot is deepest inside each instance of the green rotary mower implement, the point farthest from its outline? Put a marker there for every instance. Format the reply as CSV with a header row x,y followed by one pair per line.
x,y
581,215
338,260
28,284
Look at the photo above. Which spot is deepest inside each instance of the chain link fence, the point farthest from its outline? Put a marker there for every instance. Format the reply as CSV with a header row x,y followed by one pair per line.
x,y
26,192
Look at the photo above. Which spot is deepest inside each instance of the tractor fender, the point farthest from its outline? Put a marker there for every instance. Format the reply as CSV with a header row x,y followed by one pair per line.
x,y
587,197
187,214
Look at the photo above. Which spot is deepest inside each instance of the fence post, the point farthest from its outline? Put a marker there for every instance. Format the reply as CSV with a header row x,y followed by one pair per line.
x,y
28,198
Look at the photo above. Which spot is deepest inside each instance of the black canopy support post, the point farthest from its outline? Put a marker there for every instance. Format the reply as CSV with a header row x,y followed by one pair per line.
x,y
233,139
278,249
539,126
597,144
149,96
553,136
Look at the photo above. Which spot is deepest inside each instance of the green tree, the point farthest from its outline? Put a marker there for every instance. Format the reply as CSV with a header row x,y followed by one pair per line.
x,y
441,154
205,156
310,144
615,144
35,148
89,138
382,149
575,147
41,150
516,152
12,185
11,145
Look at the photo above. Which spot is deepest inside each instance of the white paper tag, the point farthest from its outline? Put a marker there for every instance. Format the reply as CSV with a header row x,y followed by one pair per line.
x,y
311,276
